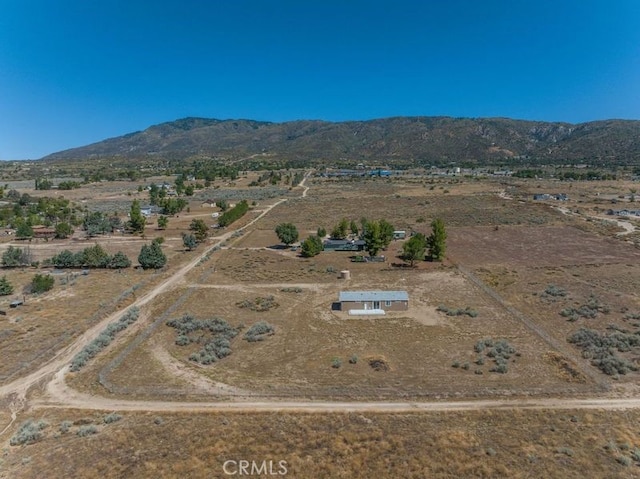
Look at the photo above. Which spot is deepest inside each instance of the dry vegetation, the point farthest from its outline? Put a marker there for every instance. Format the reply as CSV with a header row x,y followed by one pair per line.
x,y
515,444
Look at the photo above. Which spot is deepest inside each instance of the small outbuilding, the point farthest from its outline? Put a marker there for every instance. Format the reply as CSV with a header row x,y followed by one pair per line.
x,y
373,300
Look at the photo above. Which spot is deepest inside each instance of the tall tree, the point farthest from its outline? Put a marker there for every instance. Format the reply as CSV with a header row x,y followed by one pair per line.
x,y
372,237
136,218
200,229
354,228
386,232
287,233
414,248
437,240
340,230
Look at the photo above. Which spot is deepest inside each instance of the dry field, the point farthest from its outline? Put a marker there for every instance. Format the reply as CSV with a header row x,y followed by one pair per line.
x,y
484,444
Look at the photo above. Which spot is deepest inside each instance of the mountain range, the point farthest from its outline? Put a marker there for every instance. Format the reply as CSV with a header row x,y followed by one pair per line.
x,y
417,140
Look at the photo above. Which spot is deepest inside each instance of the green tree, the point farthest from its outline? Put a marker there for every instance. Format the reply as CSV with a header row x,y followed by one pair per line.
x,y
24,230
354,228
63,230
41,283
151,256
372,237
65,259
386,232
163,222
287,233
189,241
311,246
95,257
119,261
437,240
340,230
189,190
6,287
136,218
200,229
414,248
322,232
223,205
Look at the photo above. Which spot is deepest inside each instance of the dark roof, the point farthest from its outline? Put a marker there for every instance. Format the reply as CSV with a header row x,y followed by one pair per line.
x,y
343,242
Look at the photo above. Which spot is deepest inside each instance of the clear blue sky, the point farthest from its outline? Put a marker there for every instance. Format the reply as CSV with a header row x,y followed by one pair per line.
x,y
73,72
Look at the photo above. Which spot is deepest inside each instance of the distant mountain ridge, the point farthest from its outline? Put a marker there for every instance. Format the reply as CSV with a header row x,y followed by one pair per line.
x,y
414,139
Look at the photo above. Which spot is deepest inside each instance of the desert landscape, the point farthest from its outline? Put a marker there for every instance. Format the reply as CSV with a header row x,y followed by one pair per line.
x,y
517,352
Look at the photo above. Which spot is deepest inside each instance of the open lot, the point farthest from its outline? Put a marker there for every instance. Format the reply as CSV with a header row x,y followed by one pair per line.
x,y
516,444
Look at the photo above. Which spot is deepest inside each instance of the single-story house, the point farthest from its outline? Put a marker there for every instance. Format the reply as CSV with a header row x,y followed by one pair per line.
x,y
150,210
380,300
43,232
344,245
400,234
210,203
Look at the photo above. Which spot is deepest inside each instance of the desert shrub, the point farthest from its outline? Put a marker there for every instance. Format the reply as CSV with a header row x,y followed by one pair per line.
x,y
624,460
28,433
259,331
601,348
65,426
588,310
87,430
457,312
104,339
555,291
336,363
215,346
260,304
111,418
291,290
353,359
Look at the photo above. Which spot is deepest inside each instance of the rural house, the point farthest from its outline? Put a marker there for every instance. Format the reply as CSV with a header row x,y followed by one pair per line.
x,y
344,245
373,301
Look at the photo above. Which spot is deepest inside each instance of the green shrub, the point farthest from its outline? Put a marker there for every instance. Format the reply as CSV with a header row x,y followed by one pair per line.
x,y
41,283
336,363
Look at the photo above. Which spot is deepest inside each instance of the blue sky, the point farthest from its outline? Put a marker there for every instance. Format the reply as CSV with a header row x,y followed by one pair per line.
x,y
73,72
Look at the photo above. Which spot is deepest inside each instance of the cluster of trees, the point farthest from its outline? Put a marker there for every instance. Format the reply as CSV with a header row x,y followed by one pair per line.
x,y
414,248
199,233
376,234
235,213
91,257
28,211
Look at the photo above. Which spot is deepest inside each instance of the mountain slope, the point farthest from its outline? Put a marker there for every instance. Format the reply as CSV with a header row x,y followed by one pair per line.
x,y
423,139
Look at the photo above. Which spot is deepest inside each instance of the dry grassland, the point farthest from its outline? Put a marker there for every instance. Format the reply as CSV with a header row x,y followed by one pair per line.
x,y
484,444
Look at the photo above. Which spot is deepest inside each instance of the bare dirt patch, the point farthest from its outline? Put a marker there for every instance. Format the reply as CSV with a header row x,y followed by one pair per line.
x,y
535,246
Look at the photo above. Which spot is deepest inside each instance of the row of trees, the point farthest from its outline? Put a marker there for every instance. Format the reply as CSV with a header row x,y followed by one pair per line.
x,y
150,257
235,213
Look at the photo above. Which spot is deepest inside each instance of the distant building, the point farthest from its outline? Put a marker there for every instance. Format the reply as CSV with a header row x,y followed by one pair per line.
x,y
547,196
400,234
373,300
